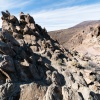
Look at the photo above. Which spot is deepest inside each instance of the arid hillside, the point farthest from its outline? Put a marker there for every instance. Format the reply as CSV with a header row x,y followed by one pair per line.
x,y
73,37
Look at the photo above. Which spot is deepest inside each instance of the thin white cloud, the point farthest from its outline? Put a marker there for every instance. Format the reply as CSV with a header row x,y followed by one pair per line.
x,y
63,3
67,17
11,4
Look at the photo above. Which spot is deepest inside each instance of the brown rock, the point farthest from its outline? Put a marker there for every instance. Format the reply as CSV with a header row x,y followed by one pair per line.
x,y
28,94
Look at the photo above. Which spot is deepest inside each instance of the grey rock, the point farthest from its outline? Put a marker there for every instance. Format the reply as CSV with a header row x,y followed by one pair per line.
x,y
8,91
53,93
5,49
6,63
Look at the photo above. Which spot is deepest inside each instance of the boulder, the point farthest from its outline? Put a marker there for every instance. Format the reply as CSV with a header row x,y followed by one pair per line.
x,y
70,94
5,49
28,94
9,91
53,93
7,64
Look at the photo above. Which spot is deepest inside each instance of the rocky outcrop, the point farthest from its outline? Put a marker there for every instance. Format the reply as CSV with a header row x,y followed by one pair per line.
x,y
33,66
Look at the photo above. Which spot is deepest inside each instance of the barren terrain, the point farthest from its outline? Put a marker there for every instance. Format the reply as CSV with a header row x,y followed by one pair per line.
x,y
33,66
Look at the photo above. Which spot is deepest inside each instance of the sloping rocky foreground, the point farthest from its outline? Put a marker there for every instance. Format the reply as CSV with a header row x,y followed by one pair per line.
x,y
33,66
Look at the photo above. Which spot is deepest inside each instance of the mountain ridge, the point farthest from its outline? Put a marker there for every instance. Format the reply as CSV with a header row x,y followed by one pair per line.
x,y
74,34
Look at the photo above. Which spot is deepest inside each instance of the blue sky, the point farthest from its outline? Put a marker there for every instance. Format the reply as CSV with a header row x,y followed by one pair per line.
x,y
55,14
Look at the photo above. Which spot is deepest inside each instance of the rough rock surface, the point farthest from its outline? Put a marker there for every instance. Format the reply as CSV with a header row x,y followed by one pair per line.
x,y
33,66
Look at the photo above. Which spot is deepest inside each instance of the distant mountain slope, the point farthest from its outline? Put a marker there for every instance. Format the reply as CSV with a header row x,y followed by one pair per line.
x,y
87,23
65,35
74,36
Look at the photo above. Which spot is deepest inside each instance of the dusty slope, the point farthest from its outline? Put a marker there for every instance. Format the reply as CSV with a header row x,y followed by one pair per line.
x,y
75,36
65,35
35,67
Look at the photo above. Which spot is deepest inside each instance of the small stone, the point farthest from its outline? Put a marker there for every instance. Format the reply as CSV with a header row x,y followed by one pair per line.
x,y
88,81
75,86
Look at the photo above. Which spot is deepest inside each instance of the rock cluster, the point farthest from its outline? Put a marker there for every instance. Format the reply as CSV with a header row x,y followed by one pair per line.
x,y
33,66
95,31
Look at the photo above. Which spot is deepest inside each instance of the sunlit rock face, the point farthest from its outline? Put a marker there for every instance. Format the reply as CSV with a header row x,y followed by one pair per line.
x,y
33,66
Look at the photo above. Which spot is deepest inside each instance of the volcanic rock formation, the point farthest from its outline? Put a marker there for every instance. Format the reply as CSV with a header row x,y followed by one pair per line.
x,y
33,66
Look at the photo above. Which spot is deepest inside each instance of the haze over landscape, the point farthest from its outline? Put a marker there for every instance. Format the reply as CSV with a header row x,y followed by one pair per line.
x,y
55,15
